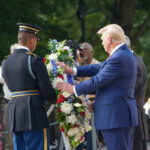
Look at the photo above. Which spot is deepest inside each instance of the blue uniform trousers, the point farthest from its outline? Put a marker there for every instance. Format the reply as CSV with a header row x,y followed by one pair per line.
x,y
119,138
32,140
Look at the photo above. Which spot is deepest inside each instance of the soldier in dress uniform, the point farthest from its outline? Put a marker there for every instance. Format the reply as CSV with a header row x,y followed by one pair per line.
x,y
26,77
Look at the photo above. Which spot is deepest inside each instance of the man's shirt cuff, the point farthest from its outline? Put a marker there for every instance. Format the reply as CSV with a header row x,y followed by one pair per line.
x,y
74,90
74,71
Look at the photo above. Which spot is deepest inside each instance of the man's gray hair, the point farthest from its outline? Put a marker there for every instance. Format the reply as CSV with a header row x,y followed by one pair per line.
x,y
13,47
127,42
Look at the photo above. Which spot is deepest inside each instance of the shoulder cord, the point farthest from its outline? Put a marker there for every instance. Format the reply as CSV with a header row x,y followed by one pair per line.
x,y
30,68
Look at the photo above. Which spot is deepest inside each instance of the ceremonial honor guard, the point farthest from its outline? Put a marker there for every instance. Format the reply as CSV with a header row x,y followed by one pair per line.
x,y
26,77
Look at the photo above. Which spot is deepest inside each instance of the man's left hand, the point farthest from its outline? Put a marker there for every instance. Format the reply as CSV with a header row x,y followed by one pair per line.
x,y
65,87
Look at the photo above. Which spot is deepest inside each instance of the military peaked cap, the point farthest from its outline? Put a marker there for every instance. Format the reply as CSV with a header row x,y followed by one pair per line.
x,y
33,29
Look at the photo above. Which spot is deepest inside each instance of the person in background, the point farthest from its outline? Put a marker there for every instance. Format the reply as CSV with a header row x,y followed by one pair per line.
x,y
26,77
7,97
115,111
140,134
85,57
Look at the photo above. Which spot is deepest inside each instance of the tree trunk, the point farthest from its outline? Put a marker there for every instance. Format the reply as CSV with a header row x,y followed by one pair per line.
x,y
124,14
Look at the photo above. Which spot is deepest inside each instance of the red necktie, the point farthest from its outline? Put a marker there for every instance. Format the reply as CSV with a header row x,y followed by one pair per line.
x,y
108,56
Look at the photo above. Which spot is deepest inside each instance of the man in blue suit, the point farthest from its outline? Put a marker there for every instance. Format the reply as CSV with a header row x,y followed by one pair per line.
x,y
114,81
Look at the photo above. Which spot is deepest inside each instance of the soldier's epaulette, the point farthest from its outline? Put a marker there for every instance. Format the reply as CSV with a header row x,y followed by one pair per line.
x,y
6,57
29,53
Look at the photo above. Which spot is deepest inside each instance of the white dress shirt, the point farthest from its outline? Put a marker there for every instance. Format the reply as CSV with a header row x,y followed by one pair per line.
x,y
22,47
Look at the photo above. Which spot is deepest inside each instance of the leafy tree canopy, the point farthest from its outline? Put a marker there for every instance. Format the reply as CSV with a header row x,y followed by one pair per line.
x,y
60,21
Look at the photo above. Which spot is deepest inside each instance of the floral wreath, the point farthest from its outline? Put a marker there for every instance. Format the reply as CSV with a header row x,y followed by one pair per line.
x,y
71,111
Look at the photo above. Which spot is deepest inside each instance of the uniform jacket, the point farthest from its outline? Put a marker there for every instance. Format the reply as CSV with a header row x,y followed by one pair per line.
x,y
141,131
27,112
114,82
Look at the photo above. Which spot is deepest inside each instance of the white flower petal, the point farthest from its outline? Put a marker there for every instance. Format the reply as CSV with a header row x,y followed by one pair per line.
x,y
52,57
66,107
55,81
72,119
87,114
66,94
77,104
73,131
49,67
66,48
88,127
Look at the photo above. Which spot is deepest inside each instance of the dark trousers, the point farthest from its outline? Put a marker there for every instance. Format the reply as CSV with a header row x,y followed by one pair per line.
x,y
119,138
139,145
32,140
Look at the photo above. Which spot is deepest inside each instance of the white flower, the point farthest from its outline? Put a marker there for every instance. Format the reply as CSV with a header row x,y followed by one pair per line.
x,y
52,57
59,70
49,67
55,81
65,78
78,137
72,119
66,94
77,104
66,48
73,131
82,129
66,107
83,98
88,127
59,47
87,114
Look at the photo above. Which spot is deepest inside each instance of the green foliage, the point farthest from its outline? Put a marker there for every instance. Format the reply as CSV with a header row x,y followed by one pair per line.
x,y
59,20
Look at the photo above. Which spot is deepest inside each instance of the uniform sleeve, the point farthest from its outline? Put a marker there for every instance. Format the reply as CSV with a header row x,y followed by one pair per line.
x,y
46,90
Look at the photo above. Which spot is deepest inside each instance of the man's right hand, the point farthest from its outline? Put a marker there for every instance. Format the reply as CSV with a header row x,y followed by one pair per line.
x,y
67,69
90,105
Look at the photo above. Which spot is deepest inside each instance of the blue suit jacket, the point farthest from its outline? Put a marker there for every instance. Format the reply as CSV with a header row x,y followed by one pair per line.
x,y
114,82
